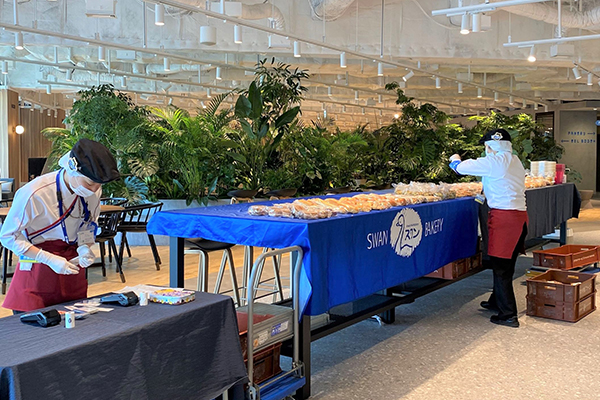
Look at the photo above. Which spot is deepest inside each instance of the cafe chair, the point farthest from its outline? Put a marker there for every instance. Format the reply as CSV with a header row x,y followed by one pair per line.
x,y
280,194
108,223
8,190
203,247
135,221
242,196
114,201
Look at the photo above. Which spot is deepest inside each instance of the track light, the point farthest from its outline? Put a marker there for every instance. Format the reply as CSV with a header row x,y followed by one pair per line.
x,y
380,69
69,75
166,64
496,96
5,67
343,59
297,51
48,90
576,73
101,53
438,82
237,34
123,81
532,57
464,25
408,76
476,22
590,81
479,92
19,41
218,74
208,95
159,14
460,87
511,100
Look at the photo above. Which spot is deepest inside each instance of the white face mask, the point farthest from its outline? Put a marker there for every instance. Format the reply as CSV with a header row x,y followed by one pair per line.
x,y
82,191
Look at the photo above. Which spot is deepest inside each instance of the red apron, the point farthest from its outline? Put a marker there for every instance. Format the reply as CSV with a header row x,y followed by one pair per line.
x,y
41,286
504,230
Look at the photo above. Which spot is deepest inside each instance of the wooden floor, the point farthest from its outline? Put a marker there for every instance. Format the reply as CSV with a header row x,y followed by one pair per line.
x,y
140,269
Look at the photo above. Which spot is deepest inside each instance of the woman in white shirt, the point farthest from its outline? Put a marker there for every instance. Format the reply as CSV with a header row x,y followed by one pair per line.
x,y
51,226
503,178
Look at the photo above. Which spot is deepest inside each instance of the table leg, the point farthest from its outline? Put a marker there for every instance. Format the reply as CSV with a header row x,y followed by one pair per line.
x,y
176,264
389,316
563,233
305,339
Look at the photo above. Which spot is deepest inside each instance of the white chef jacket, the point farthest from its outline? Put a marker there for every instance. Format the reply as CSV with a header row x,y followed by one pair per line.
x,y
503,178
35,206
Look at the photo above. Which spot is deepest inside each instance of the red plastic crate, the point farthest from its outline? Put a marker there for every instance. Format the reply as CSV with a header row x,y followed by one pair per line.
x,y
570,312
560,286
566,257
450,271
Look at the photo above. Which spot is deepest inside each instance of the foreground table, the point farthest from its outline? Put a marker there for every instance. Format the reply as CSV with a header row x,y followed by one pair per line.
x,y
190,351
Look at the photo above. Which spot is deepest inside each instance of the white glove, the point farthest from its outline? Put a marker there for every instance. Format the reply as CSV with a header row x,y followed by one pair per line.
x,y
86,256
455,157
58,264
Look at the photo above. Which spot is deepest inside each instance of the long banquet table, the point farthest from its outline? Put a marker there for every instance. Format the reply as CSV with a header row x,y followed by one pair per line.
x,y
190,351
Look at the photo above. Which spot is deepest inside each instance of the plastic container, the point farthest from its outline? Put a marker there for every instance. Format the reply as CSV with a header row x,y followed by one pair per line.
x,y
566,257
450,271
560,173
267,363
272,324
553,287
570,312
534,168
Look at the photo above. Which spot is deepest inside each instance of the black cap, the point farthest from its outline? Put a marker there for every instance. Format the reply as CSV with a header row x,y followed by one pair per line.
x,y
95,161
496,134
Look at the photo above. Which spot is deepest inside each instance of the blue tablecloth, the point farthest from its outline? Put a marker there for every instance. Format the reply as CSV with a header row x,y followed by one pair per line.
x,y
346,257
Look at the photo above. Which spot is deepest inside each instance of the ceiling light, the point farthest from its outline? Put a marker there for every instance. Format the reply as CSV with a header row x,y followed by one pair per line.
x,y
159,14
48,112
408,76
344,109
208,93
356,95
208,35
511,100
496,96
535,106
380,69
202,104
167,64
323,106
479,93
532,57
101,53
123,81
380,113
19,40
329,91
545,108
438,82
576,73
590,81
380,99
464,25
524,103
362,110
218,74
19,128
237,34
396,116
48,90
476,22
170,101
460,87
5,67
69,75
297,51
343,59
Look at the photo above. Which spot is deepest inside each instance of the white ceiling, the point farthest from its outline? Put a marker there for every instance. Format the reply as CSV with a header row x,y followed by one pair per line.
x,y
412,39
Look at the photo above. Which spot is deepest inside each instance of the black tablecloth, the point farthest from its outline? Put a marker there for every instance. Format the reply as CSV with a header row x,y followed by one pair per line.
x,y
547,208
190,351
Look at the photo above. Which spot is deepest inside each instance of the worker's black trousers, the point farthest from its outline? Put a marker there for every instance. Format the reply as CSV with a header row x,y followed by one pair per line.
x,y
503,295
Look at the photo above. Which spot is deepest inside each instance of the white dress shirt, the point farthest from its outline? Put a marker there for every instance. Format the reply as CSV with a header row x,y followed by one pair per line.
x,y
503,178
35,206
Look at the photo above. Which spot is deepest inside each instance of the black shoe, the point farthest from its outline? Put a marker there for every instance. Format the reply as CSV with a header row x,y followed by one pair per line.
x,y
489,306
513,322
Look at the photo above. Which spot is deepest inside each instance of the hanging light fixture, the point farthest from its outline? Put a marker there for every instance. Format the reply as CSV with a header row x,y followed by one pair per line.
x,y
5,67
19,41
48,90
356,95
218,74
343,109
297,51
237,34
464,25
496,97
380,99
159,14
590,81
343,59
208,94
101,53
576,73
329,92
532,57
438,82
524,103
167,64
123,81
379,69
545,108
69,75
511,100
479,92
208,35
362,110
460,87
476,22
406,77
535,106
202,104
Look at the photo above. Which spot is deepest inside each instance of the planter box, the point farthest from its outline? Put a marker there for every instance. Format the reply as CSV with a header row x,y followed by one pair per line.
x,y
141,239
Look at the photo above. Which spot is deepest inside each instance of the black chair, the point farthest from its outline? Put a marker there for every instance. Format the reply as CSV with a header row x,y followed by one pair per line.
x,y
203,247
7,194
109,222
135,221
114,201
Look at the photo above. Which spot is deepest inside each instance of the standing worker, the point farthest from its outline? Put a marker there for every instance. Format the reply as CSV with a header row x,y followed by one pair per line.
x,y
503,179
52,225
